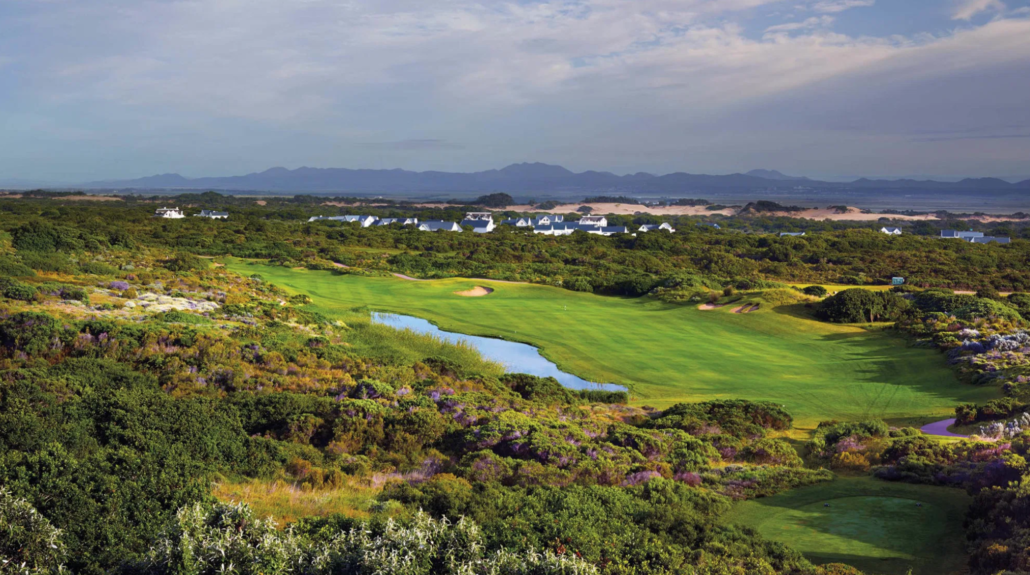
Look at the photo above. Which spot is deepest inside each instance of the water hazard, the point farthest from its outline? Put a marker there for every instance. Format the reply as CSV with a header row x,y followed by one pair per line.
x,y
515,357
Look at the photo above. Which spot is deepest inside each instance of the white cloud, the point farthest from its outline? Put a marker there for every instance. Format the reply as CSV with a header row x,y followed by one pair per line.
x,y
969,8
835,6
808,24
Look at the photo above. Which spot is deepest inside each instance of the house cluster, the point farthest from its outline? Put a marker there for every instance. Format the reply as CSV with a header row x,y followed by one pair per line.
x,y
176,213
483,223
973,237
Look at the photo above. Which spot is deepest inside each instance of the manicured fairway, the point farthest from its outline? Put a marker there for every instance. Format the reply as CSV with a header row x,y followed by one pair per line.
x,y
667,353
876,526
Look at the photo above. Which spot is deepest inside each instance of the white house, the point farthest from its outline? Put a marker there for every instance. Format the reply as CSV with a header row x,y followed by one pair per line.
x,y
480,226
891,231
792,234
401,221
548,220
365,221
169,213
990,239
438,225
606,230
959,235
560,229
519,222
213,215
653,228
599,221
484,216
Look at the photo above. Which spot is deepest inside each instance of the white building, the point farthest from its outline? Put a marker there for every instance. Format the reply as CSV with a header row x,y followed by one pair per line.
x,y
519,222
213,215
548,220
365,221
653,228
438,225
891,231
169,213
479,226
401,221
480,216
599,221
968,236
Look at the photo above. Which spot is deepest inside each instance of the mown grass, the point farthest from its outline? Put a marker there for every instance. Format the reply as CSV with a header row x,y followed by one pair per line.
x,y
286,502
874,525
669,353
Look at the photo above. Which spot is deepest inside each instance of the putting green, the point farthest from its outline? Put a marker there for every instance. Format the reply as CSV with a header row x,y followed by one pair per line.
x,y
876,526
670,353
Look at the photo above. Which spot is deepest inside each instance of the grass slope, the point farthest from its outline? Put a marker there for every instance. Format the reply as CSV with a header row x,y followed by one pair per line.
x,y
668,353
873,525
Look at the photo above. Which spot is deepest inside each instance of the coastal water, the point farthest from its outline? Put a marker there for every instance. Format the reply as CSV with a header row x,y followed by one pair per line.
x,y
515,357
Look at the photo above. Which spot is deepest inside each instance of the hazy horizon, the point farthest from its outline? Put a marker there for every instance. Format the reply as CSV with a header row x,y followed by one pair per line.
x,y
829,89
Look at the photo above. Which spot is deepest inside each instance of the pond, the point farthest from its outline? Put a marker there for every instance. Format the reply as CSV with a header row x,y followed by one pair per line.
x,y
515,357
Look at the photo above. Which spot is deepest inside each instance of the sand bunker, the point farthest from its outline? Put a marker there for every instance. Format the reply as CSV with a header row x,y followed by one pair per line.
x,y
477,291
746,308
710,306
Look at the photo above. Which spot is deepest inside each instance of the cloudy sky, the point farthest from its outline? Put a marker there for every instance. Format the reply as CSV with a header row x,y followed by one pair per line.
x,y
95,89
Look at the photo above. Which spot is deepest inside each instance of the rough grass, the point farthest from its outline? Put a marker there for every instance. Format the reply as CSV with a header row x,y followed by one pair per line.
x,y
405,346
286,502
873,525
667,353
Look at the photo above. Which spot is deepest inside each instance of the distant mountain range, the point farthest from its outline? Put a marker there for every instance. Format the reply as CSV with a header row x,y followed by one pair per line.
x,y
528,178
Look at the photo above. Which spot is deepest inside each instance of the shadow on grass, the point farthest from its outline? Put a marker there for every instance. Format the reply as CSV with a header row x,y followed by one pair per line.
x,y
902,526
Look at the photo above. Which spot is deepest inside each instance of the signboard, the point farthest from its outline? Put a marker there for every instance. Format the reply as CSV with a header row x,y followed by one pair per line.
x,y
897,281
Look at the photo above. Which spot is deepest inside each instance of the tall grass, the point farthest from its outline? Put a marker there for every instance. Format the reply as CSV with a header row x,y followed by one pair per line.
x,y
406,346
286,502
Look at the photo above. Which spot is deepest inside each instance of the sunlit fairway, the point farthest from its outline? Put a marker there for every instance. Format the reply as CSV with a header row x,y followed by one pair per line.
x,y
876,526
670,353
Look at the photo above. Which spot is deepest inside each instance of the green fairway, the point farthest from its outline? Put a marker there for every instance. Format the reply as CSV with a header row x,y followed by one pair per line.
x,y
669,353
874,525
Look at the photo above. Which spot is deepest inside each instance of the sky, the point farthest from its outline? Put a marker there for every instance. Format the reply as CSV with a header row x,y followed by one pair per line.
x,y
105,89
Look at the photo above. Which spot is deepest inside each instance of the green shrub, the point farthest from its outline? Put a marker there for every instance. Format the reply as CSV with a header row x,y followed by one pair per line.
x,y
228,538
11,268
185,262
98,268
859,305
986,308
815,291
48,262
29,544
540,389
14,289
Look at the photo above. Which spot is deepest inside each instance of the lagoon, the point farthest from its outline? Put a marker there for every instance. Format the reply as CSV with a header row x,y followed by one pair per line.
x,y
515,357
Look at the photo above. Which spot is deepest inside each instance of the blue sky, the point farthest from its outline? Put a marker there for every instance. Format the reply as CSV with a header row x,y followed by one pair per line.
x,y
98,89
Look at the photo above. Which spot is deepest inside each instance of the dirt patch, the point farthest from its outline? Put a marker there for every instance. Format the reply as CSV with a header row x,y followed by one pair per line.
x,y
89,198
409,278
339,265
710,306
261,203
478,291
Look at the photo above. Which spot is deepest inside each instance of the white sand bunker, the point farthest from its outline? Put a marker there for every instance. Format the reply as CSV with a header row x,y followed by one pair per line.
x,y
477,291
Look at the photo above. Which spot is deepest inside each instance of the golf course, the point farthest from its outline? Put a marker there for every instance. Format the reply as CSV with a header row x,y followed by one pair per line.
x,y
666,353
877,526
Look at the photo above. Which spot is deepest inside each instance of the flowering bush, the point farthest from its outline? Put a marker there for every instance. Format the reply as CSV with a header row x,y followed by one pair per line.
x,y
29,544
227,539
